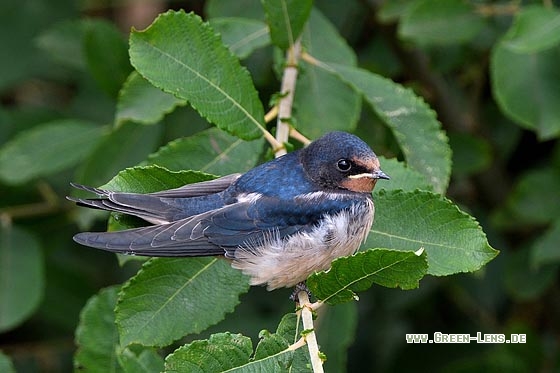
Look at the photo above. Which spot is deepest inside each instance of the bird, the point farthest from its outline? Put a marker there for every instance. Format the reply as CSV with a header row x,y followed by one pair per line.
x,y
278,222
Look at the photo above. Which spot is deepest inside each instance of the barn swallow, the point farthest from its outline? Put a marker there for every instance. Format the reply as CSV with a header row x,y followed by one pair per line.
x,y
278,223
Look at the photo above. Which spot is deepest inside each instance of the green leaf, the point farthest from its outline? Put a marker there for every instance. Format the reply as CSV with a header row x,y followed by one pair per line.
x,y
414,125
545,249
106,55
141,102
441,22
536,28
336,332
241,35
402,177
524,282
137,359
6,364
182,55
389,268
470,154
525,86
125,146
269,345
323,103
22,59
46,149
391,11
63,42
453,240
241,8
21,276
290,328
149,179
212,151
231,352
270,356
286,19
170,298
219,353
533,200
96,335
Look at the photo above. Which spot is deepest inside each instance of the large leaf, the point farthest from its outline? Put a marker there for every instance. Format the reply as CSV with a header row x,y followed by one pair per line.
x,y
125,146
153,178
453,240
414,124
109,69
25,20
96,335
47,149
6,364
545,249
64,43
336,332
170,298
525,85
231,352
219,353
323,103
402,177
251,9
21,276
212,151
534,282
533,200
536,28
141,102
440,22
184,56
290,328
241,35
389,268
286,19
140,360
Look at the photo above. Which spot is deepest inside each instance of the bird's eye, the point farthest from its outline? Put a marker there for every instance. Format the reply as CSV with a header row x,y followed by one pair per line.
x,y
343,165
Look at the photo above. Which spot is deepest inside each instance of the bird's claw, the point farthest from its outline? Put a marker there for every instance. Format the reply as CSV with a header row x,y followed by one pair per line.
x,y
300,286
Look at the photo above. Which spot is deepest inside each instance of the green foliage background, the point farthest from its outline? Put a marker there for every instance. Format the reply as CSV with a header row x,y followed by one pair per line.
x,y
73,109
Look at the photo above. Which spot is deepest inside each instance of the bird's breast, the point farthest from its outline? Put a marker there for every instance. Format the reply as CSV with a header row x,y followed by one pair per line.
x,y
284,262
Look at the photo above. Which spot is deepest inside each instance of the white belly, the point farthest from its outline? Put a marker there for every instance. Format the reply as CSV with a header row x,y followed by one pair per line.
x,y
286,262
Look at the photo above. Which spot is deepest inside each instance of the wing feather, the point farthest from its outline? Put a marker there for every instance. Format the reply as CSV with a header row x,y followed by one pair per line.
x,y
219,231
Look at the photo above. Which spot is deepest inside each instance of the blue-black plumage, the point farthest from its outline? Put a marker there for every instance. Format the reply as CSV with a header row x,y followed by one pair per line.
x,y
278,223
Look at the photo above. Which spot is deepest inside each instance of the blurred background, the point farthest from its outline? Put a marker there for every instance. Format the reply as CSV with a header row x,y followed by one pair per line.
x,y
68,59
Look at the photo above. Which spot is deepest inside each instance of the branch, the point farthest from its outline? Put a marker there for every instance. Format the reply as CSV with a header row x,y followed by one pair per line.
x,y
49,205
287,91
307,318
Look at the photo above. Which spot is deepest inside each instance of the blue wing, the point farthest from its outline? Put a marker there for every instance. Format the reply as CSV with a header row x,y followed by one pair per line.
x,y
161,207
220,231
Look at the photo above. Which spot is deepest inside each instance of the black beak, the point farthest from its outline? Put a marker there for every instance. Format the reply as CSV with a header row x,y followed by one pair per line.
x,y
380,175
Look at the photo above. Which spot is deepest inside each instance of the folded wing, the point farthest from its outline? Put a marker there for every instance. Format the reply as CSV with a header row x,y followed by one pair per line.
x,y
160,207
216,232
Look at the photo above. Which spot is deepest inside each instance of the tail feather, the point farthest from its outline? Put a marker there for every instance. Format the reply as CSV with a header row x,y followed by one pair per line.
x,y
140,241
152,208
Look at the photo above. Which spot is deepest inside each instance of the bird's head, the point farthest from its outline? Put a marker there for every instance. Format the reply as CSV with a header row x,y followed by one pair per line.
x,y
339,160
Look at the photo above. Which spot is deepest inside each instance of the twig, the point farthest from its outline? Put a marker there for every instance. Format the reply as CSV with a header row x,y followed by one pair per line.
x,y
295,134
272,113
287,90
300,343
488,10
310,338
49,205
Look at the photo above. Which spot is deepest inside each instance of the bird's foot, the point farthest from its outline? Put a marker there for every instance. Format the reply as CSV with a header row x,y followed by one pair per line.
x,y
301,286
